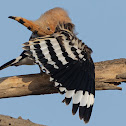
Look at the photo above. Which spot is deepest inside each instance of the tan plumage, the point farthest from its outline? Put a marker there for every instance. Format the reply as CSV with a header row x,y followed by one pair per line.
x,y
47,22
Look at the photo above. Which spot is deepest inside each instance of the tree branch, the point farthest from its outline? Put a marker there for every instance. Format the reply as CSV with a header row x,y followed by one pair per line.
x,y
109,74
10,121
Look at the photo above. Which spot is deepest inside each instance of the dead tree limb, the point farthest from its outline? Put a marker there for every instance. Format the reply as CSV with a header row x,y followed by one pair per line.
x,y
10,121
109,74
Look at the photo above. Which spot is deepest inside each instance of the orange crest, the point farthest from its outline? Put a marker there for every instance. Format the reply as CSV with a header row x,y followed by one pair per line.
x,y
47,23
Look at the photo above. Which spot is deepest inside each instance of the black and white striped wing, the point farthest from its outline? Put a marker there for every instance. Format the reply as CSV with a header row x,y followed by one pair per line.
x,y
70,68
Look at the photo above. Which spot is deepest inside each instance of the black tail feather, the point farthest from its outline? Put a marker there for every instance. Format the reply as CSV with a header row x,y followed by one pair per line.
x,y
67,101
87,114
82,110
10,63
75,108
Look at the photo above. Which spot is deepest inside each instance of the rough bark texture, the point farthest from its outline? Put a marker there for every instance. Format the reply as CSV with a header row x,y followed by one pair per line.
x,y
109,74
10,121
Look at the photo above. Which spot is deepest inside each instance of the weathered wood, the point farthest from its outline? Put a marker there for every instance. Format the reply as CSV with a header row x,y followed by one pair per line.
x,y
109,71
109,74
33,84
10,121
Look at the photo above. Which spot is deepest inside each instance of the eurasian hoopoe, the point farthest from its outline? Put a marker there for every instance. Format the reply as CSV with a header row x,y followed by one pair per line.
x,y
56,49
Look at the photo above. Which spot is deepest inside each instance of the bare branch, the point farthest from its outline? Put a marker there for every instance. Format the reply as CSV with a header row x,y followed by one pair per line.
x,y
10,121
109,74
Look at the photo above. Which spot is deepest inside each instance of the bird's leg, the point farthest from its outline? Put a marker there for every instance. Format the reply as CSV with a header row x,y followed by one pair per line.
x,y
41,71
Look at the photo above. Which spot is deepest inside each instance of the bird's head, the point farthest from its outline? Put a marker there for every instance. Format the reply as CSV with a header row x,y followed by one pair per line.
x,y
47,22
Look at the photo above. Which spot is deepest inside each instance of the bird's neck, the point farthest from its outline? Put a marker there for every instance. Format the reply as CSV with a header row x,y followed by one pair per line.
x,y
65,26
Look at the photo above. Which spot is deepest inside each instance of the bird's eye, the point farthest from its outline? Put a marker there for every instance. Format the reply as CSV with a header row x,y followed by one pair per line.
x,y
48,28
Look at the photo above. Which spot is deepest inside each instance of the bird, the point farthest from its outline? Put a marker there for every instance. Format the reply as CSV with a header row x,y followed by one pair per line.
x,y
56,49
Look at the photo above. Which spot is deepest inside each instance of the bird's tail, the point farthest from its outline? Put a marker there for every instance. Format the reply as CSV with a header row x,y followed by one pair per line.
x,y
10,63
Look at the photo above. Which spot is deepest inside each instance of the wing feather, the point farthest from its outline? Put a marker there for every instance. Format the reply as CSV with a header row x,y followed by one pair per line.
x,y
70,67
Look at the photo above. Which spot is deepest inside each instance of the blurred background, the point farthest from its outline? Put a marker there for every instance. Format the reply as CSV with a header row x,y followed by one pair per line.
x,y
100,24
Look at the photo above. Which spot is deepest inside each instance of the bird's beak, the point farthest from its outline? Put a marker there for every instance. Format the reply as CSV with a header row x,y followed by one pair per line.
x,y
29,24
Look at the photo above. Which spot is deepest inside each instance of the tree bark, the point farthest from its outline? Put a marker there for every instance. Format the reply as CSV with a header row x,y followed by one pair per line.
x,y
109,74
10,121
